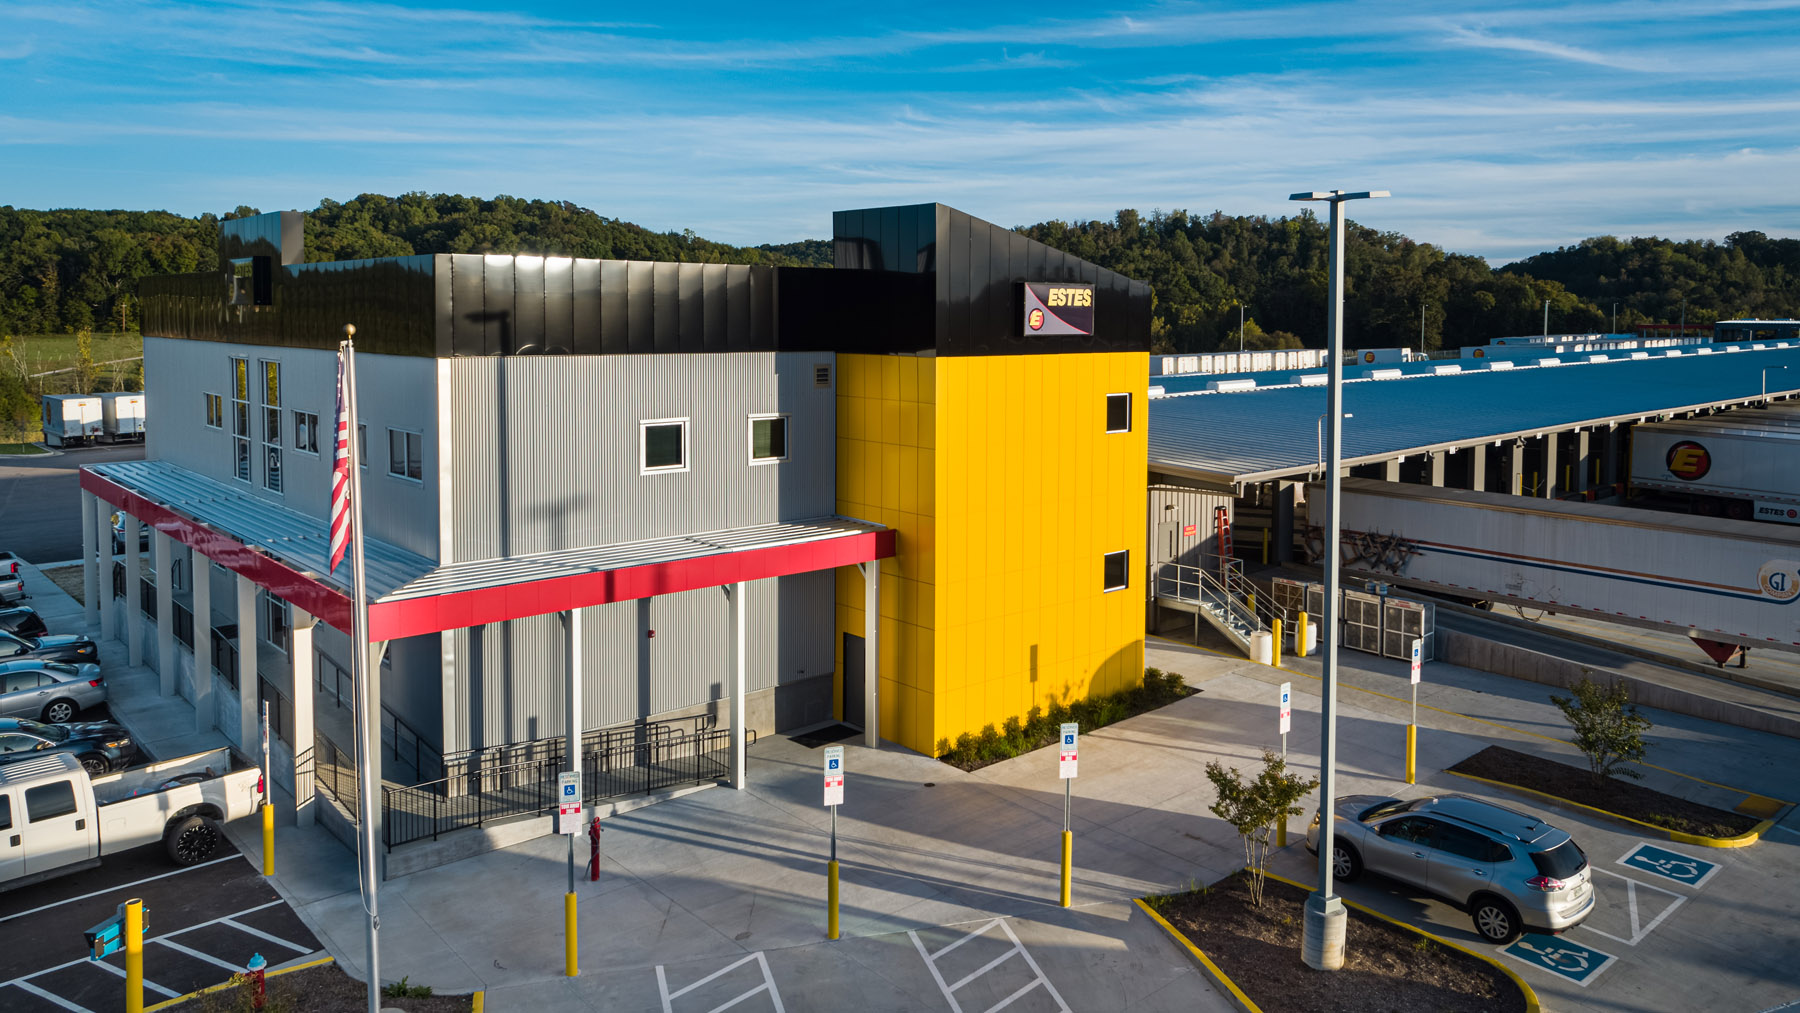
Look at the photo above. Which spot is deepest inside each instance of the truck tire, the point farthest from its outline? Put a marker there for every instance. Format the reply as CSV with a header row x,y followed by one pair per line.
x,y
192,840
60,712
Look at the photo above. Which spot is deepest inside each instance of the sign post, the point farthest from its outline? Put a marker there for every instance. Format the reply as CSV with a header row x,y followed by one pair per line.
x,y
1067,756
1412,727
834,797
268,811
568,823
1287,720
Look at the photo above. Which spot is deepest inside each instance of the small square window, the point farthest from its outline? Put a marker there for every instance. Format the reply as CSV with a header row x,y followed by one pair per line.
x,y
768,438
306,432
1118,413
406,454
1117,571
663,445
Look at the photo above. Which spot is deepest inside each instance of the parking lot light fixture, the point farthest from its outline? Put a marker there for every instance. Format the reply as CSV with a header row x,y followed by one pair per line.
x,y
1322,938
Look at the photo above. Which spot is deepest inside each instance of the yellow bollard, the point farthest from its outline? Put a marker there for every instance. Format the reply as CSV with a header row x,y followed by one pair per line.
x,y
1068,862
268,815
1276,657
1300,637
1252,598
1412,745
569,938
134,956
1281,832
1265,546
831,899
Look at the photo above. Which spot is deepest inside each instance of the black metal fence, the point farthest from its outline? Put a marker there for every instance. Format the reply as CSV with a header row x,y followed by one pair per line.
x,y
628,761
335,771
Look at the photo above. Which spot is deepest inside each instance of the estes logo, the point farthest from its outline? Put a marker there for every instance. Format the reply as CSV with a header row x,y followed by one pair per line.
x,y
1688,460
1035,320
1070,297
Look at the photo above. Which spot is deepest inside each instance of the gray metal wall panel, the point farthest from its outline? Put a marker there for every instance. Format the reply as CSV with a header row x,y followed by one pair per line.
x,y
1178,506
585,334
396,390
529,304
512,682
547,454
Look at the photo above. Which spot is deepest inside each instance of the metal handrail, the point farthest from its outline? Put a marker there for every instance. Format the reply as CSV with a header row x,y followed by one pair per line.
x,y
1200,583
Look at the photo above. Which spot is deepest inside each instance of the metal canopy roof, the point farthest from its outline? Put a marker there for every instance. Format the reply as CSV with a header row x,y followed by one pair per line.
x,y
1256,435
285,551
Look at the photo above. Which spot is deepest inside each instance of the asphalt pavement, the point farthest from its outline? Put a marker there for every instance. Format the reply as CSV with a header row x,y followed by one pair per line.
x,y
40,500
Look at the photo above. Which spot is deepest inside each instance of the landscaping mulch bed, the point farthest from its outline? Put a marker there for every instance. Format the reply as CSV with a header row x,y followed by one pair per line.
x,y
322,989
1497,763
1387,969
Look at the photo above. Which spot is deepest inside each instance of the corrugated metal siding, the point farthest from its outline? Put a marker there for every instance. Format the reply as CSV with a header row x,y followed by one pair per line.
x,y
511,676
398,391
1172,508
547,448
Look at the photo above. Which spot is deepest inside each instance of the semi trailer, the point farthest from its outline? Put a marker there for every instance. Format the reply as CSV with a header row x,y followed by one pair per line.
x,y
1743,464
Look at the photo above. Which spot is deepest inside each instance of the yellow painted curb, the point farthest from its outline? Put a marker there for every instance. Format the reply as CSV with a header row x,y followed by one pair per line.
x,y
1219,977
478,1002
1531,999
1742,840
208,990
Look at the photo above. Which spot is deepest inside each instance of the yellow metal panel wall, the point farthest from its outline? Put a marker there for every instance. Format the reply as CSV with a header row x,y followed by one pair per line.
x,y
1007,492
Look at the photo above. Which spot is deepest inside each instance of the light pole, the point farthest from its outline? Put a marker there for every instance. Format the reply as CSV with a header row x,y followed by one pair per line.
x,y
1615,327
1546,318
1322,940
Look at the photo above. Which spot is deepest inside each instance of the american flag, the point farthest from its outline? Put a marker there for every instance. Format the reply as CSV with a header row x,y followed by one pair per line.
x,y
340,476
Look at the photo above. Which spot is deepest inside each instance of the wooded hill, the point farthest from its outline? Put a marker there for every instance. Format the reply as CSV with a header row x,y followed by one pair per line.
x,y
71,270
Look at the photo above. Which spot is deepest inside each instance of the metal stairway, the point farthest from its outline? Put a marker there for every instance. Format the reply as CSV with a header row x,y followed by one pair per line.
x,y
1218,592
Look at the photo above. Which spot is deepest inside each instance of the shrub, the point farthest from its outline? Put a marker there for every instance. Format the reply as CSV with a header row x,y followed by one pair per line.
x,y
1252,807
1041,725
1608,730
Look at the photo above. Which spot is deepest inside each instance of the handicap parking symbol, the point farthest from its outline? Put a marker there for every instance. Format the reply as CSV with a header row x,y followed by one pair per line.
x,y
569,789
1580,964
1670,864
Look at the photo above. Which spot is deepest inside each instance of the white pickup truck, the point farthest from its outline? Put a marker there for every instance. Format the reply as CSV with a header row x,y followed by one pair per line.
x,y
55,819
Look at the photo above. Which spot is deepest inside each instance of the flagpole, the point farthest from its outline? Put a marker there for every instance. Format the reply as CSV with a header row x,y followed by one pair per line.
x,y
366,677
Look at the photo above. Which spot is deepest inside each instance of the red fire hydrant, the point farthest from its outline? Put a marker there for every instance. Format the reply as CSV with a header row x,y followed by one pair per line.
x,y
254,970
594,850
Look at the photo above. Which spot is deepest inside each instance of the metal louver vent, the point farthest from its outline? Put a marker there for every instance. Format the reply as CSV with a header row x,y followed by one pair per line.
x,y
822,375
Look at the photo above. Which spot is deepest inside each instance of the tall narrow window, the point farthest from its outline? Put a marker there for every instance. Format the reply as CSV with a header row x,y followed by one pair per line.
x,y
271,426
215,411
362,445
1116,571
1118,413
768,438
240,419
663,444
279,620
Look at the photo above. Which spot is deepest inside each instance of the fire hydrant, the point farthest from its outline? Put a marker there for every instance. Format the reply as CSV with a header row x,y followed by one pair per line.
x,y
254,970
594,850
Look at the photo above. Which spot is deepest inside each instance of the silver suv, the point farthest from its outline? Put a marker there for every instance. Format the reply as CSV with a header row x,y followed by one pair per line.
x,y
1509,870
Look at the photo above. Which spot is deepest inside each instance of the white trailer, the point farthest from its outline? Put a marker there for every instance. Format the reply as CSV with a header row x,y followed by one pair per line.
x,y
71,419
64,821
1744,464
122,416
1713,579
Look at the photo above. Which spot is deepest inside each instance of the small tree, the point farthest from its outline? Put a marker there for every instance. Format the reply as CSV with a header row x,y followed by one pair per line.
x,y
1254,806
1608,730
86,373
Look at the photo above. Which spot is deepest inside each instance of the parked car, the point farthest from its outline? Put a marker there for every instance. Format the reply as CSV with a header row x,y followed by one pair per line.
x,y
53,691
63,647
101,746
22,620
12,584
1508,869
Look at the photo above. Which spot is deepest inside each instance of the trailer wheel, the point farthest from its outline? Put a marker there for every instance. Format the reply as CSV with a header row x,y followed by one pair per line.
x,y
191,840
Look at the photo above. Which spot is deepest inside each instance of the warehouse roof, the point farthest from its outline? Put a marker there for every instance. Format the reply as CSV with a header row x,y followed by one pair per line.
x,y
1234,437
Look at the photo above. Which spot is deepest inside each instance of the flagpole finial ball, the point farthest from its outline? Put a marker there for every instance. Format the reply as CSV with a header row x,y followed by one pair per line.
x,y
349,330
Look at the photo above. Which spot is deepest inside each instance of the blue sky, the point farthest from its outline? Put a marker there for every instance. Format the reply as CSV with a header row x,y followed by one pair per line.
x,y
1502,128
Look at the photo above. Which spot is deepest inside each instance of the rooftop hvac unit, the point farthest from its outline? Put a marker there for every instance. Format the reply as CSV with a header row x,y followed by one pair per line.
x,y
1312,379
1500,364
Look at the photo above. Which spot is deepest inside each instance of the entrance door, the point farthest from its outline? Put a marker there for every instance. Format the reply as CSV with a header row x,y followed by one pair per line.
x,y
853,680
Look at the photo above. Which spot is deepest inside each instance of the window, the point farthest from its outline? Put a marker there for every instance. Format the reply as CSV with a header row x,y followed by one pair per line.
x,y
1412,829
1118,413
768,438
1462,843
240,419
215,411
664,445
306,431
16,743
48,801
362,445
19,682
5,812
1117,571
279,620
271,425
405,450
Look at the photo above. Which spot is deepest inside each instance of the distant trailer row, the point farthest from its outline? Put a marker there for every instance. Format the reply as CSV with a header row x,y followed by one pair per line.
x,y
74,420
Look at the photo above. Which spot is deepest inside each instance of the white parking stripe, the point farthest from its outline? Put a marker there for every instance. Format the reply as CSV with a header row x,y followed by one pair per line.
x,y
271,937
57,999
197,955
117,889
151,985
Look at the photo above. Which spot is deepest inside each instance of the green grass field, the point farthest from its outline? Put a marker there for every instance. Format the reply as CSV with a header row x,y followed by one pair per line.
x,y
45,352
49,353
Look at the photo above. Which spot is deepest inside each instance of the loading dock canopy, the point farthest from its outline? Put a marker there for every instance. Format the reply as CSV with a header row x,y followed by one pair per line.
x,y
1234,438
285,552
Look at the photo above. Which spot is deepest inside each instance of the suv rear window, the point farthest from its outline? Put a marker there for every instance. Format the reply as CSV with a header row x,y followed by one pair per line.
x,y
1560,862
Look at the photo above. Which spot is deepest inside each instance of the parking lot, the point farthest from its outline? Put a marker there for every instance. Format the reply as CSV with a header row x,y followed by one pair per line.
x,y
204,923
1675,927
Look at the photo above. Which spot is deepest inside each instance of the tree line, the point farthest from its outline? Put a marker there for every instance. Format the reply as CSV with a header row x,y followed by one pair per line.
x,y
66,271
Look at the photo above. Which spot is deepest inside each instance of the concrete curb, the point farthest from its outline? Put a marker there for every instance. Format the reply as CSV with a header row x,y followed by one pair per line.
x,y
1531,1000
1742,840
1219,978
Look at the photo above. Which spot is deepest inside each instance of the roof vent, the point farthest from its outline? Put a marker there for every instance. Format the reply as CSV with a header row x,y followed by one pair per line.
x,y
1313,379
1499,364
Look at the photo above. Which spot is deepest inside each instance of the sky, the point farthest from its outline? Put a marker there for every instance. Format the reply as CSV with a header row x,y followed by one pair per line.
x,y
1501,128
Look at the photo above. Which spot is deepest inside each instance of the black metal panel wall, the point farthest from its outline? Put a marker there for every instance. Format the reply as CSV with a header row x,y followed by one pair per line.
x,y
278,235
979,268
